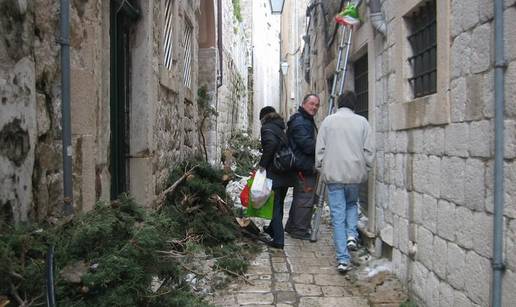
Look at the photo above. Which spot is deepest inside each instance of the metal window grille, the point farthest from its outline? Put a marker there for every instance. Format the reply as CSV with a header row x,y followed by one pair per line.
x,y
167,34
423,40
187,56
361,85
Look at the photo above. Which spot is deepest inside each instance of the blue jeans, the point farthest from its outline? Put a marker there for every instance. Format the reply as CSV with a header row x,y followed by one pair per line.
x,y
278,236
342,199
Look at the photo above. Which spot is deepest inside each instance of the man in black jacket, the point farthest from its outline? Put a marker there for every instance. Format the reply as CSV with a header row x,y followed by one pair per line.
x,y
302,135
272,129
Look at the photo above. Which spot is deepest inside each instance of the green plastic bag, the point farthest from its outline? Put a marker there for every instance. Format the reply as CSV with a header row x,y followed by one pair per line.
x,y
264,211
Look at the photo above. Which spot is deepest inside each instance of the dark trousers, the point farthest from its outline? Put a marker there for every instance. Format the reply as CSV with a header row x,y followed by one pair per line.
x,y
277,215
301,210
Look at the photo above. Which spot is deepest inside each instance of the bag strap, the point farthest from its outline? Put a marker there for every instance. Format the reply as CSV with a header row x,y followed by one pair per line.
x,y
282,138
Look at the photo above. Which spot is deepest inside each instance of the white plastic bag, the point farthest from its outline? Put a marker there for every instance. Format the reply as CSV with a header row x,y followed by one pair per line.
x,y
261,189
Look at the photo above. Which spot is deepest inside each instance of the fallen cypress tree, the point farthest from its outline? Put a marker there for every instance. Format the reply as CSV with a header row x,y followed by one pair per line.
x,y
121,255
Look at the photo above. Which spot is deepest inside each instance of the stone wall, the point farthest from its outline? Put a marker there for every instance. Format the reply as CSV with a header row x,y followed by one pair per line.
x,y
163,115
30,122
433,179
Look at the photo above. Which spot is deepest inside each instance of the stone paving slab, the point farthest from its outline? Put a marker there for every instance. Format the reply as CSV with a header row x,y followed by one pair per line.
x,y
304,275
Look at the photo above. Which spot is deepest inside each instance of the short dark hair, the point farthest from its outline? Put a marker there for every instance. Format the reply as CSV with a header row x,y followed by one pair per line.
x,y
310,95
266,110
347,100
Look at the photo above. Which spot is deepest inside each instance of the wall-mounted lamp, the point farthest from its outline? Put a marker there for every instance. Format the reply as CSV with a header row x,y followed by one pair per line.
x,y
276,6
284,68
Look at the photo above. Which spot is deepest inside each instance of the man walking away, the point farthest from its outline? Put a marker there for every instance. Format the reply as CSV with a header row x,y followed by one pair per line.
x,y
302,134
344,153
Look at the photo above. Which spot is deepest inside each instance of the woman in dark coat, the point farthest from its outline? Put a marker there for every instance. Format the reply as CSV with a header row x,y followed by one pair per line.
x,y
273,127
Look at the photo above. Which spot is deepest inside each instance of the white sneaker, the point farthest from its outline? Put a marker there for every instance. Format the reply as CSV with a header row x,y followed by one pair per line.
x,y
343,267
352,244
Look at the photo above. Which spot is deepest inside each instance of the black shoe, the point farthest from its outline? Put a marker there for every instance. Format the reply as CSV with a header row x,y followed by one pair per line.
x,y
274,245
305,236
268,230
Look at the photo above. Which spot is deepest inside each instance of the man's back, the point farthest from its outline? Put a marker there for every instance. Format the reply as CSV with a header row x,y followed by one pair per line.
x,y
344,147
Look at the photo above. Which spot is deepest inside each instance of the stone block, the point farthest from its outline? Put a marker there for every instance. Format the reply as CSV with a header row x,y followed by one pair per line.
x,y
452,179
308,290
446,294
481,139
427,174
456,139
431,295
510,189
458,99
403,235
477,289
433,143
329,279
461,300
486,9
440,248
509,19
455,266
419,277
446,220
143,182
303,278
488,94
474,184
387,235
508,286
482,54
430,213
417,208
333,301
42,117
399,201
465,224
415,141
83,101
380,165
280,267
475,104
482,233
398,173
379,139
425,247
286,297
465,15
401,141
511,245
255,298
510,139
335,291
510,90
461,55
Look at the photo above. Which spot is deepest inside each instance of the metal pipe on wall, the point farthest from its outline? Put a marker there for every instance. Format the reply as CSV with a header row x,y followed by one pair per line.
x,y
376,16
500,65
64,41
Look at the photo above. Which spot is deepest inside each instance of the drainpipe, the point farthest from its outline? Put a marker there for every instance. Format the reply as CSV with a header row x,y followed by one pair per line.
x,y
376,16
500,65
64,41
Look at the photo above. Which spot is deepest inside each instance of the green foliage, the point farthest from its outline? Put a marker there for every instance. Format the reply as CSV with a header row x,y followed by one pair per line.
x,y
236,10
242,147
123,248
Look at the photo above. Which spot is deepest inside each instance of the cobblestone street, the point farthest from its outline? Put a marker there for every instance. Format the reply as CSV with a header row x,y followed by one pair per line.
x,y
304,274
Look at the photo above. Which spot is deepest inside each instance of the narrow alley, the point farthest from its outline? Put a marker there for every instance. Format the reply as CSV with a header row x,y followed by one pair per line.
x,y
124,124
304,275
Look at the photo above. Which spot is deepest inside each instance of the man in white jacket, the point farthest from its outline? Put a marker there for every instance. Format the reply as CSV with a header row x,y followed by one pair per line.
x,y
344,153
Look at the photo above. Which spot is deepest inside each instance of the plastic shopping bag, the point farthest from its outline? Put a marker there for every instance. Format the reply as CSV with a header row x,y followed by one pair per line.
x,y
244,196
265,211
261,189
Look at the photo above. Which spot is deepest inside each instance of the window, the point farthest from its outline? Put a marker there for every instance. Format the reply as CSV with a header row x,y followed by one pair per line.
x,y
423,42
187,55
167,34
361,85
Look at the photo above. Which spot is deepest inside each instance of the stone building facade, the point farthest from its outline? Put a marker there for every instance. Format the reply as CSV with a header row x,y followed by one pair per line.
x,y
430,200
135,72
264,30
